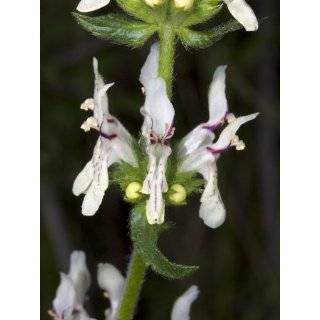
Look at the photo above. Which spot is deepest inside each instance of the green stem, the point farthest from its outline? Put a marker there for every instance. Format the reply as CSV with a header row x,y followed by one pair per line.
x,y
135,277
166,58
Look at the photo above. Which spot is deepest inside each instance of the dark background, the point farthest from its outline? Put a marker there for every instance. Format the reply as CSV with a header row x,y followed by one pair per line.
x,y
239,262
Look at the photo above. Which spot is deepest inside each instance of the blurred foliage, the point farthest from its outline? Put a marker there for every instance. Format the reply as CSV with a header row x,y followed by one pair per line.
x,y
239,262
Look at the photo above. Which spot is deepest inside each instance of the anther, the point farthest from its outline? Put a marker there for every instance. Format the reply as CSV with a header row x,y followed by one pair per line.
x,y
88,104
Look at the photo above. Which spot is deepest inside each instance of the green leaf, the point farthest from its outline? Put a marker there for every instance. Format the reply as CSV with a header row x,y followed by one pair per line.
x,y
117,28
202,39
195,39
202,11
138,9
144,237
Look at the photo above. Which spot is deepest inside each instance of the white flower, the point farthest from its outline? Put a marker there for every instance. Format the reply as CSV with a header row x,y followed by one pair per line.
x,y
181,307
68,303
203,134
112,282
198,153
91,5
157,129
113,145
242,12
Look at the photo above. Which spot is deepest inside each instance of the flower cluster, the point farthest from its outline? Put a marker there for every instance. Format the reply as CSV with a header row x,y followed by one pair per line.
x,y
71,293
239,9
197,152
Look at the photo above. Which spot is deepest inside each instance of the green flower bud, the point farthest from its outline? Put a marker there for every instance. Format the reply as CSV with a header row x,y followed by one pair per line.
x,y
177,193
133,190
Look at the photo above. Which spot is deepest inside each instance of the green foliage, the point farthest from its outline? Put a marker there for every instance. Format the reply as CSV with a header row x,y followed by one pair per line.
x,y
117,28
202,39
145,237
164,19
195,39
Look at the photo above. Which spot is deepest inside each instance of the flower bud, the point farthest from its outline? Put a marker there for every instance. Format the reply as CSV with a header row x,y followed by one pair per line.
x,y
133,190
183,4
178,193
153,3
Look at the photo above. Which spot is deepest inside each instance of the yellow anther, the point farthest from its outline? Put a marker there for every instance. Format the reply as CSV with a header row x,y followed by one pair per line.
x,y
91,122
133,190
88,104
177,193
240,146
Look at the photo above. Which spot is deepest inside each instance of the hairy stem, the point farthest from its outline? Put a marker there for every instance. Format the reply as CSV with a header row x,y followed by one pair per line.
x,y
166,58
135,277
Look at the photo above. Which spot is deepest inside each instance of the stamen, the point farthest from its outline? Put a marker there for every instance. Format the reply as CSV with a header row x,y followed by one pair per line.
x,y
237,143
240,146
91,122
88,104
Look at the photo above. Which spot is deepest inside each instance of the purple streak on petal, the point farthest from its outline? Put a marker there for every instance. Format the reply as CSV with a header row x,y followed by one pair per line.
x,y
216,125
108,136
218,151
213,127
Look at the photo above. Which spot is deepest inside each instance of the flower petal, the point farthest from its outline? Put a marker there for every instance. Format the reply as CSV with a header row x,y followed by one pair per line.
x,y
218,105
149,70
196,160
65,299
155,182
122,151
91,5
100,183
242,12
212,209
158,106
112,282
155,207
195,139
101,107
83,180
152,169
229,132
79,274
181,307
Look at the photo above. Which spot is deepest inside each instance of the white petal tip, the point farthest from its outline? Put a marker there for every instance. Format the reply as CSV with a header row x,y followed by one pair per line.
x,y
91,5
212,212
88,212
223,67
182,306
242,12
